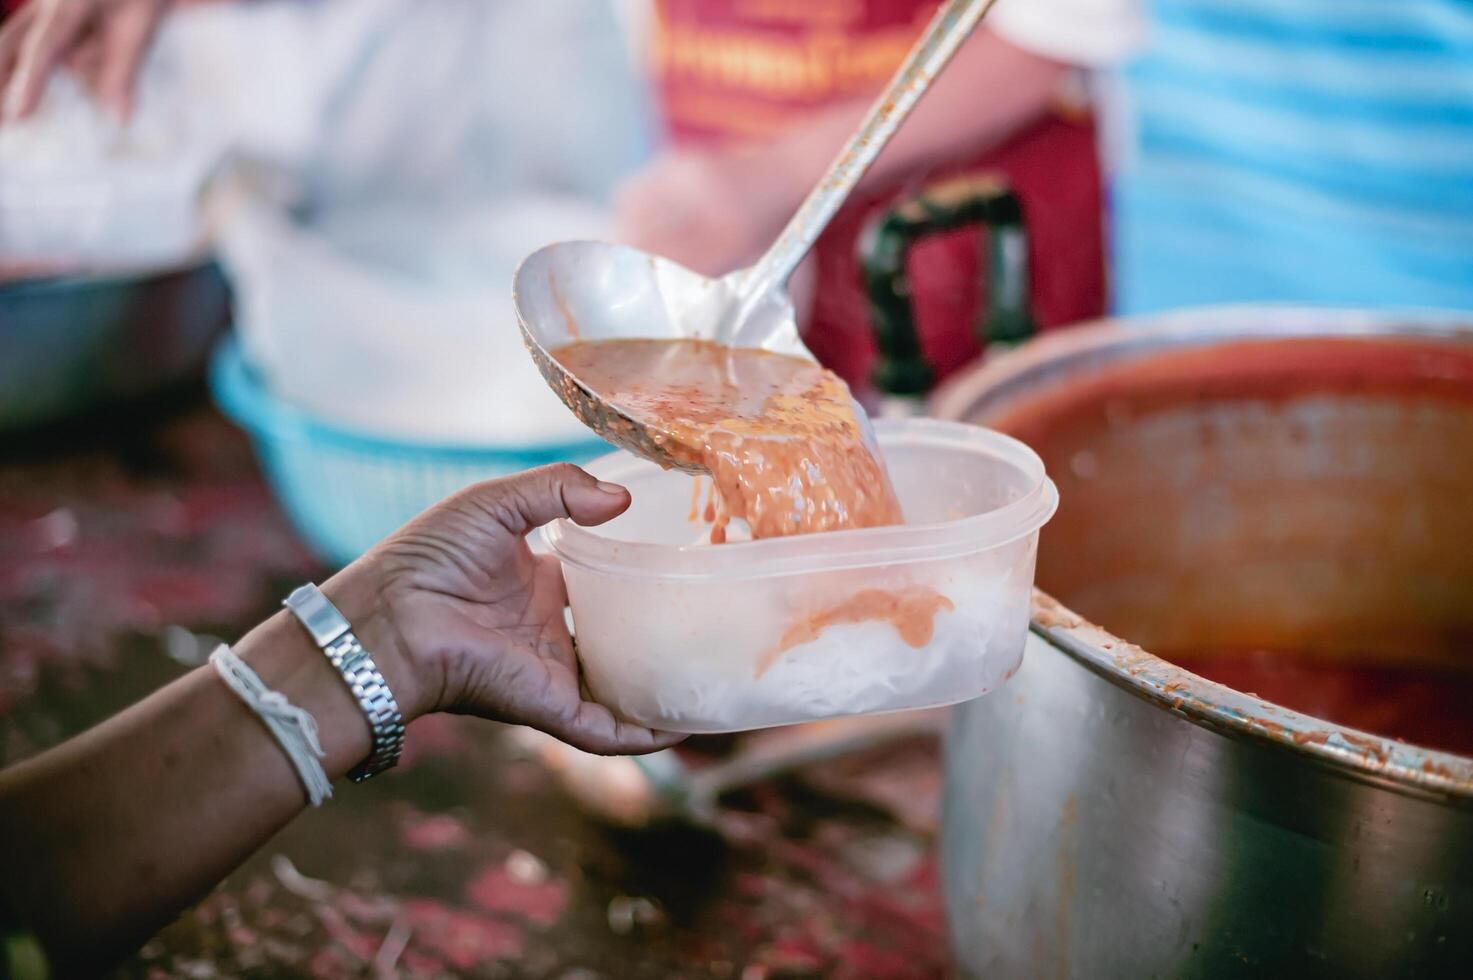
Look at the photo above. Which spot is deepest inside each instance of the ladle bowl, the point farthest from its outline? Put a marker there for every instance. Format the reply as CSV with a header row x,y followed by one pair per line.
x,y
593,291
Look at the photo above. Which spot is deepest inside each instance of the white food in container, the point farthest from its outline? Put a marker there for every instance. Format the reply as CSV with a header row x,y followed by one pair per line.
x,y
690,638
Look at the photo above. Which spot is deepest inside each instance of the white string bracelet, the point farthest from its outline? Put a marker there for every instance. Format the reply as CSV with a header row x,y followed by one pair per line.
x,y
295,729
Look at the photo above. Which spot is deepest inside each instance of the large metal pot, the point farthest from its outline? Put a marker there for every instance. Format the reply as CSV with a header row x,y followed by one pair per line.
x,y
1109,814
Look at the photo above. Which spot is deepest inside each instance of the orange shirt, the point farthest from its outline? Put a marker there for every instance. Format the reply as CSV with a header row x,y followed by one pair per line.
x,y
748,69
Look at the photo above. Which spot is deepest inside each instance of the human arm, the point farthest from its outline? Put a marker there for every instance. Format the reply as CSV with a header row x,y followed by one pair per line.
x,y
107,837
716,209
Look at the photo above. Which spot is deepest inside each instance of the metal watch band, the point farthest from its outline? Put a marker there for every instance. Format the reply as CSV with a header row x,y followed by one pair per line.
x,y
332,632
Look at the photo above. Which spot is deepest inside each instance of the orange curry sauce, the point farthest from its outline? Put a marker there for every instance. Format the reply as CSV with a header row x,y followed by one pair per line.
x,y
778,434
783,444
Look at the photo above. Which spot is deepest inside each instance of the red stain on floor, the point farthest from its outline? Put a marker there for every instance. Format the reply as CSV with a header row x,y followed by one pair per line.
x,y
496,890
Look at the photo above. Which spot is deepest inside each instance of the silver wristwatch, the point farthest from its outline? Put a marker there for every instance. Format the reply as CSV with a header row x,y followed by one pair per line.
x,y
333,633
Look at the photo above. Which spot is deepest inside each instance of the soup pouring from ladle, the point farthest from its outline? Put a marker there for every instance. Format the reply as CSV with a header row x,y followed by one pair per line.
x,y
593,291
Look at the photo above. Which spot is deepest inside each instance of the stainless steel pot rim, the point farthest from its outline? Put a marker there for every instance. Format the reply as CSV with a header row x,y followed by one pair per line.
x,y
1113,339
1398,765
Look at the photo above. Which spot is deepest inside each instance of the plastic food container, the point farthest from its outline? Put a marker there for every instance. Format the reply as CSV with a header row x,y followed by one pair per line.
x,y
698,638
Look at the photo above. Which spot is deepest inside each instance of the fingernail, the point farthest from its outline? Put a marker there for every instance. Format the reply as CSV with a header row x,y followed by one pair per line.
x,y
613,488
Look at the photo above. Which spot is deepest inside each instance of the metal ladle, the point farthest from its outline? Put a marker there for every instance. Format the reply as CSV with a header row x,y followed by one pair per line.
x,y
573,291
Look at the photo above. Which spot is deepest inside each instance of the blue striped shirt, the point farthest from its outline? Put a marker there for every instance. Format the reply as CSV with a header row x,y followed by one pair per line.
x,y
1310,151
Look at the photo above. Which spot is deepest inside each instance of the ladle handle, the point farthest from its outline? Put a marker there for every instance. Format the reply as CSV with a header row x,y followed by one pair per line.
x,y
946,32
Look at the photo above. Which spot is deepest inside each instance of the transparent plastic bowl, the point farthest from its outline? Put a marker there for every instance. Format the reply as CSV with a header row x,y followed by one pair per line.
x,y
689,637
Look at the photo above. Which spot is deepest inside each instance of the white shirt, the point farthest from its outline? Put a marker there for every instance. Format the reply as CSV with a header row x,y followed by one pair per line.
x,y
1084,33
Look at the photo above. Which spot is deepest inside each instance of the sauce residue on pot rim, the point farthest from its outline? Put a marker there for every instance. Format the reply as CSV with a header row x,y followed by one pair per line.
x,y
1426,705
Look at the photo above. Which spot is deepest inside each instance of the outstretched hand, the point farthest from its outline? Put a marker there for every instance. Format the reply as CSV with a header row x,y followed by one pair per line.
x,y
479,618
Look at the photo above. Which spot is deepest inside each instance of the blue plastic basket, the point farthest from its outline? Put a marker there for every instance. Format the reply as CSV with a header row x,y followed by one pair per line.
x,y
345,491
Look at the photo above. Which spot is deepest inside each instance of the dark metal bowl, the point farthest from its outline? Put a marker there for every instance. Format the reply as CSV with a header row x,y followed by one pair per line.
x,y
69,345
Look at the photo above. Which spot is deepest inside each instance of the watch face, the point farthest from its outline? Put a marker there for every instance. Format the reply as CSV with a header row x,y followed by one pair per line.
x,y
320,617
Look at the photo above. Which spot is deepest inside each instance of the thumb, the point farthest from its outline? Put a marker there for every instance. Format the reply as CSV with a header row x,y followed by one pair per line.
x,y
532,499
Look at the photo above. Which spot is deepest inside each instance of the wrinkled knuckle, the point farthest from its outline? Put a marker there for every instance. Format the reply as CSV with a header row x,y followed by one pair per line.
x,y
564,472
527,493
505,509
469,497
480,502
593,745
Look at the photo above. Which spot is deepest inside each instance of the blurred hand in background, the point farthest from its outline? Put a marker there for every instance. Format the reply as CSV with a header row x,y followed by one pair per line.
x,y
103,41
711,210
714,204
